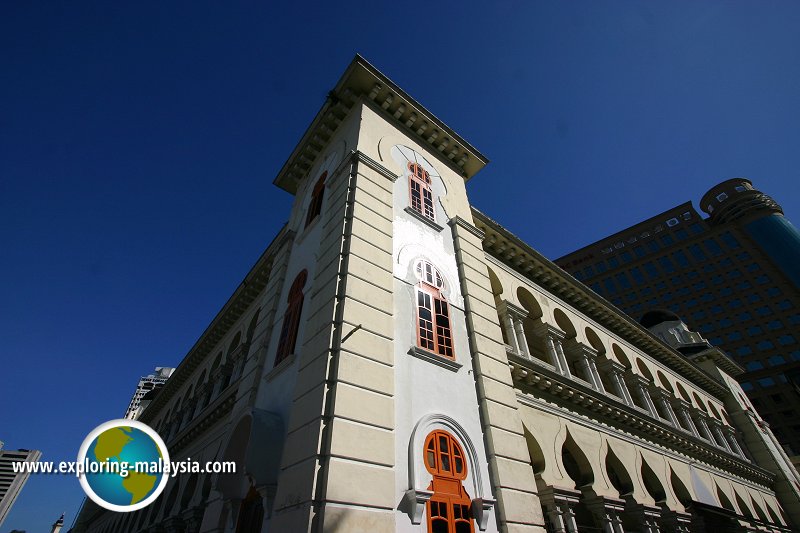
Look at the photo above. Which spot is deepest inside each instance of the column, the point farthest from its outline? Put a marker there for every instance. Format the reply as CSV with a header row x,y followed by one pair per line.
x,y
522,341
683,411
562,358
614,371
508,325
552,353
596,375
640,384
703,427
734,442
661,398
569,517
720,436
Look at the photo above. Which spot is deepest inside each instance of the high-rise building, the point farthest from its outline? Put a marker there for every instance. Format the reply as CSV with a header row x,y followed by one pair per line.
x,y
733,276
398,361
11,482
147,384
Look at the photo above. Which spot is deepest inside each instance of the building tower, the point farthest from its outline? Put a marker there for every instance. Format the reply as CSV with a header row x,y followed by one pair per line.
x,y
11,482
733,276
146,384
398,361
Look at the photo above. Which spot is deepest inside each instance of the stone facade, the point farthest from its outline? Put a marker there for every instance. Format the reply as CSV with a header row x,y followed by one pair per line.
x,y
533,406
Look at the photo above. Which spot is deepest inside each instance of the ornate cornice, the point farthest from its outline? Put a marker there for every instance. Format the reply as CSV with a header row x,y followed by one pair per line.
x,y
512,251
363,82
234,308
534,381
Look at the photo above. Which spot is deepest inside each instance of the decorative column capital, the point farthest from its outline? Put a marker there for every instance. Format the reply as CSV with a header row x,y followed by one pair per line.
x,y
512,310
543,329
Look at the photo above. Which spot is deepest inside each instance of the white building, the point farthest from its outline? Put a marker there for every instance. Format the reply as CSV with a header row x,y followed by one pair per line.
x,y
146,384
398,361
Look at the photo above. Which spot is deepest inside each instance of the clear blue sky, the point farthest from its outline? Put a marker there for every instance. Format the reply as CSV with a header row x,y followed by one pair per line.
x,y
139,141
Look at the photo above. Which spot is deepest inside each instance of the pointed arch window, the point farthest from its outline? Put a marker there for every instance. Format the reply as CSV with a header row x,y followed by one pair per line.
x,y
433,312
449,506
315,207
421,192
291,319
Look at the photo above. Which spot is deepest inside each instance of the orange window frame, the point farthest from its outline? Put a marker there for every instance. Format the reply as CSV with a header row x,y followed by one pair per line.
x,y
315,206
434,330
420,191
448,510
291,319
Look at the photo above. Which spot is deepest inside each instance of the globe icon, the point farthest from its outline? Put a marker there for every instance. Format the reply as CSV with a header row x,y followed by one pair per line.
x,y
123,465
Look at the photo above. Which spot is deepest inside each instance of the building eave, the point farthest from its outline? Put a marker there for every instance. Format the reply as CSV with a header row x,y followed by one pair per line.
x,y
511,250
361,80
240,301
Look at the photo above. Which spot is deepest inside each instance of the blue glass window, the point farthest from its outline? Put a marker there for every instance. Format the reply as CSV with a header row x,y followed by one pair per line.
x,y
735,336
639,251
784,304
601,267
747,386
706,297
651,270
775,324
735,273
764,311
725,323
766,382
696,228
697,252
754,330
730,240
712,247
626,257
766,344
681,258
653,246
666,264
667,239
613,262
608,283
753,297
753,267
706,328
743,285
716,309
776,360
699,315
774,291
623,280
636,272
754,365
744,350
682,234
786,340
763,278
735,304
725,291
744,317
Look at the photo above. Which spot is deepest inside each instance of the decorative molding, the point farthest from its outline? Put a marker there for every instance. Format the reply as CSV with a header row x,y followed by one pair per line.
x,y
458,221
414,501
361,157
426,355
425,220
618,415
283,365
481,509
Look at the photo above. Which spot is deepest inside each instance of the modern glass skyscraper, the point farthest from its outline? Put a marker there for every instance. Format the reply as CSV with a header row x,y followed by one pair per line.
x,y
733,276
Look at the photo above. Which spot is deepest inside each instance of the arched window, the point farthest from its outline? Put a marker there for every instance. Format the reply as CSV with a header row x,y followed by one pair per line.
x,y
433,312
421,192
315,207
449,507
291,319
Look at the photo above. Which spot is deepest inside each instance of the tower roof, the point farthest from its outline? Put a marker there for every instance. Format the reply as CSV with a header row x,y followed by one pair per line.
x,y
362,80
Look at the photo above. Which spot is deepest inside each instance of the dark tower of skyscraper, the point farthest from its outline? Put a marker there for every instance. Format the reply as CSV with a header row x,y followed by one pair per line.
x,y
734,277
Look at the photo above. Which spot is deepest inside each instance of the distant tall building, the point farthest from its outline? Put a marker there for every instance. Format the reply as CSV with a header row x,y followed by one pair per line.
x,y
58,524
11,483
146,384
734,277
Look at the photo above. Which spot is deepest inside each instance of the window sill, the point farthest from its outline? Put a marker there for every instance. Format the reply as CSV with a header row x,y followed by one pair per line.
x,y
283,365
308,228
436,359
423,219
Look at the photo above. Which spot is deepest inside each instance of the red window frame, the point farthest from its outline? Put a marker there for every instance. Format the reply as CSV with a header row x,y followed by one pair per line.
x,y
434,331
449,507
315,206
291,318
420,191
